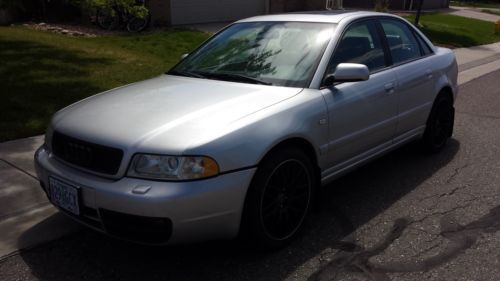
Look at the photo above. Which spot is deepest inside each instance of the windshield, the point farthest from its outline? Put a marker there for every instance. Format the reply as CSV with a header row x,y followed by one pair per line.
x,y
270,53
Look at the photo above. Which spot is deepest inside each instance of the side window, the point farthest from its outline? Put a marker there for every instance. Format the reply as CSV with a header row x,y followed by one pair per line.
x,y
402,43
426,50
360,44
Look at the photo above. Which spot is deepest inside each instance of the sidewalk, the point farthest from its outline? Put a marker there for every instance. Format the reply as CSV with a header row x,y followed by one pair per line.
x,y
477,61
27,218
475,13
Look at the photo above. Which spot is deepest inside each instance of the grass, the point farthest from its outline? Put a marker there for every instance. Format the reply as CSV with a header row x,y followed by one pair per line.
x,y
455,31
478,4
41,72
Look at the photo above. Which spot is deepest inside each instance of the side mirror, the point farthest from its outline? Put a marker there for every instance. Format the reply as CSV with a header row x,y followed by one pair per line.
x,y
184,56
348,72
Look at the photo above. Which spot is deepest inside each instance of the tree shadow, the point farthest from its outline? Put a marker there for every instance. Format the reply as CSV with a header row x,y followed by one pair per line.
x,y
37,80
450,38
348,203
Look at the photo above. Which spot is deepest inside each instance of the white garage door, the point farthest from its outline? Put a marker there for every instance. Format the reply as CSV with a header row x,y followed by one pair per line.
x,y
199,11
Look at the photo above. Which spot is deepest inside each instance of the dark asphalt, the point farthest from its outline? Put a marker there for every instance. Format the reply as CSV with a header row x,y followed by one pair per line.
x,y
406,216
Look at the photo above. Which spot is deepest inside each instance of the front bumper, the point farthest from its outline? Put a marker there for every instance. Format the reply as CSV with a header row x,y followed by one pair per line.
x,y
182,211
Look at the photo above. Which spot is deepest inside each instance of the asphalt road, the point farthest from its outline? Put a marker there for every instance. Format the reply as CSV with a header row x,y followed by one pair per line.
x,y
406,216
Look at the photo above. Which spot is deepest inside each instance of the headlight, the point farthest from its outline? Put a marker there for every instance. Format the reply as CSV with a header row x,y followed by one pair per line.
x,y
165,167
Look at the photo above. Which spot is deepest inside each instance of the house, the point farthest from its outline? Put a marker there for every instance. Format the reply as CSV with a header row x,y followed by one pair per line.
x,y
398,4
178,12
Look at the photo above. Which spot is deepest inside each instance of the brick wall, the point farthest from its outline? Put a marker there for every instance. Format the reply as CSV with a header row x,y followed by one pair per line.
x,y
6,16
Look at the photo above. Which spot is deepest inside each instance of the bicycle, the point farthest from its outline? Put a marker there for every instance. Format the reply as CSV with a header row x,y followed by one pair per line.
x,y
117,16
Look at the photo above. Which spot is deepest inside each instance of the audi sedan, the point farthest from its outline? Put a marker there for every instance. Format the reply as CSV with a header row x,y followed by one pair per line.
x,y
240,135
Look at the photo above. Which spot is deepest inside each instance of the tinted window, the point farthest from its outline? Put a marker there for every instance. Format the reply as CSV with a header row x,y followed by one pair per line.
x,y
426,50
403,45
360,44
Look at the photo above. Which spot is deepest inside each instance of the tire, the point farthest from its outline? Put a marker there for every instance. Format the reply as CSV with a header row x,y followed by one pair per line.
x,y
107,19
279,199
439,127
137,24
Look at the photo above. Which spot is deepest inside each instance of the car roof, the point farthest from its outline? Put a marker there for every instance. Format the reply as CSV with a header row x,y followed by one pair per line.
x,y
328,16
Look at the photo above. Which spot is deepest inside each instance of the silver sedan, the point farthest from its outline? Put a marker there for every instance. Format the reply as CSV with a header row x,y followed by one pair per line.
x,y
240,135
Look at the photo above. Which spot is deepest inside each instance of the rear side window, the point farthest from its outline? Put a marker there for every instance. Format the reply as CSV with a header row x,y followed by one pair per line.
x,y
360,44
426,50
402,42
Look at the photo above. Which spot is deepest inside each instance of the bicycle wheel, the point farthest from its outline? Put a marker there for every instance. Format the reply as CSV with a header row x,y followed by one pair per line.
x,y
136,24
107,19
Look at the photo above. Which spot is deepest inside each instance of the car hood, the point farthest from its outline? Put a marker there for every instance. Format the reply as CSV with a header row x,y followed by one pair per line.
x,y
165,114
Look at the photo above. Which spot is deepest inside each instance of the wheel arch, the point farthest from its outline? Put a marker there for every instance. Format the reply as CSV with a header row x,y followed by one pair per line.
x,y
296,142
447,91
302,144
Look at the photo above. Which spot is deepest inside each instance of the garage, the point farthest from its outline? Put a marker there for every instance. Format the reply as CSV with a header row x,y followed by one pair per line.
x,y
200,11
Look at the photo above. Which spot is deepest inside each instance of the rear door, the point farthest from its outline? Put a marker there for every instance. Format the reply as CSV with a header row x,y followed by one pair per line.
x,y
411,59
362,115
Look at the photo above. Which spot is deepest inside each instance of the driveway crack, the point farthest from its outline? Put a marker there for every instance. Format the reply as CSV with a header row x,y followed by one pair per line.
x,y
19,169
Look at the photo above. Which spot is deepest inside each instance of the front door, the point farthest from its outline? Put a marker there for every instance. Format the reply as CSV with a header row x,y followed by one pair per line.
x,y
362,115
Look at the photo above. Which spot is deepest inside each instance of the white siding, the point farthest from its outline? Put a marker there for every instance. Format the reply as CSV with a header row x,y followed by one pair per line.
x,y
199,11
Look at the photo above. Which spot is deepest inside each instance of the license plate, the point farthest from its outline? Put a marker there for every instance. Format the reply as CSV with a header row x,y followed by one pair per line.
x,y
64,195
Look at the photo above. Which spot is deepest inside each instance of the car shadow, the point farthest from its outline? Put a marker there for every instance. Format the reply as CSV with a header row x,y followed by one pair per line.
x,y
347,204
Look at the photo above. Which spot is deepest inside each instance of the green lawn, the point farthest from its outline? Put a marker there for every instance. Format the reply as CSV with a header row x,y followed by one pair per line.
x,y
479,4
41,72
455,31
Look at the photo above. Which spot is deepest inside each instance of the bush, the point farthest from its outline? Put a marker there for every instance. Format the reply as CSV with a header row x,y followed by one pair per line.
x,y
133,7
382,5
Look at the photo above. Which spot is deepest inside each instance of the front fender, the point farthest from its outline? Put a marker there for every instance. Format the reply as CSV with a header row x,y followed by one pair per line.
x,y
246,141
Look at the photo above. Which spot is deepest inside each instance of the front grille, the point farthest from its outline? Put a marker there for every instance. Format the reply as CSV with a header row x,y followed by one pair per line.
x,y
91,156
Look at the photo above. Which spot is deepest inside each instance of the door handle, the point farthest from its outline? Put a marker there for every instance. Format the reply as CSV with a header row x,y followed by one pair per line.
x,y
428,74
389,87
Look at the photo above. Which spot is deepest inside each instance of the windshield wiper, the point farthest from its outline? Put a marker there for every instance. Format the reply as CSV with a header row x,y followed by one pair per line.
x,y
223,76
235,77
187,74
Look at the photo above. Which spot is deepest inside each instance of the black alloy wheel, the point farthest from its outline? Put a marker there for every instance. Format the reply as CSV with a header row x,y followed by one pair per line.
x,y
439,125
280,198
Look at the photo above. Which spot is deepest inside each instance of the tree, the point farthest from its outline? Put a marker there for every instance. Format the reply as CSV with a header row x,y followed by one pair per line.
x,y
419,11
